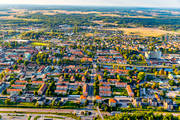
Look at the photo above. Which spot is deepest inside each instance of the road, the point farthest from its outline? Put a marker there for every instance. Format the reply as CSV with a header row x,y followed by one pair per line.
x,y
90,90
152,66
37,110
99,112
23,116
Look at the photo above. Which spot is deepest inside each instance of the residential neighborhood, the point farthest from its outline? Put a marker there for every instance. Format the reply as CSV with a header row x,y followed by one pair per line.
x,y
88,70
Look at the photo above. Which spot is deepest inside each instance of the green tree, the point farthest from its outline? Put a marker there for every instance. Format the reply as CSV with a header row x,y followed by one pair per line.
x,y
7,101
171,83
141,76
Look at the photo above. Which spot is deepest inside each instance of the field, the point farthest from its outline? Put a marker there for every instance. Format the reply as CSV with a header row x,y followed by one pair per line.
x,y
145,32
178,31
120,92
54,117
40,44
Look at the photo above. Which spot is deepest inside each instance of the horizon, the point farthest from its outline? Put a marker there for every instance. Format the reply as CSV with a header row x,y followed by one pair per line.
x,y
99,3
102,6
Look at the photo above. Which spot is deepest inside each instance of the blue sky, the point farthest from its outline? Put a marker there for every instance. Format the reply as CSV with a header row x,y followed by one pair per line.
x,y
140,3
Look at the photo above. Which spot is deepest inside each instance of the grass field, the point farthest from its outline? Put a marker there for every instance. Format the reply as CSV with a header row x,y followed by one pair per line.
x,y
120,91
145,32
40,44
53,117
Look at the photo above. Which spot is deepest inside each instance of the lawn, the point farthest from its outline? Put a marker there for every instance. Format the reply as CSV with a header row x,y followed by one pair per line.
x,y
70,105
21,104
33,87
30,104
120,91
54,117
74,92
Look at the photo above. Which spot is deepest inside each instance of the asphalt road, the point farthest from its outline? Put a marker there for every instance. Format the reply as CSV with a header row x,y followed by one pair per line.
x,y
90,90
38,110
15,116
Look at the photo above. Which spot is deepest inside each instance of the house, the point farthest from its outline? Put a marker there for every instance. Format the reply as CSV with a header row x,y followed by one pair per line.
x,y
62,87
153,102
33,77
105,88
105,83
37,82
112,102
61,78
14,91
157,97
85,90
62,82
42,89
41,101
29,98
18,82
83,99
86,59
112,80
172,77
130,91
98,99
62,92
105,91
121,84
72,78
137,102
18,86
100,78
40,70
168,104
14,98
83,79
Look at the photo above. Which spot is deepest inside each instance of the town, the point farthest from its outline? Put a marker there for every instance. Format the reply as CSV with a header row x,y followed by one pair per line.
x,y
90,71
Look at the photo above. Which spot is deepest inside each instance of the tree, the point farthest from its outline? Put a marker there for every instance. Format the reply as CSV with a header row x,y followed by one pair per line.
x,y
15,67
86,103
156,73
37,104
4,92
19,61
12,82
54,61
106,108
171,82
141,76
7,101
131,73
20,93
163,93
25,63
161,72
35,93
174,67
53,103
79,89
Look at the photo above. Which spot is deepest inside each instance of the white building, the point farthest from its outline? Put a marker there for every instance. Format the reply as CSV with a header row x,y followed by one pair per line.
x,y
153,54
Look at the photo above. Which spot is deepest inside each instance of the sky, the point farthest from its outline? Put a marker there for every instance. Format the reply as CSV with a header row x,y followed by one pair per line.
x,y
126,3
